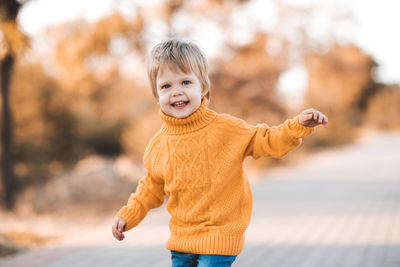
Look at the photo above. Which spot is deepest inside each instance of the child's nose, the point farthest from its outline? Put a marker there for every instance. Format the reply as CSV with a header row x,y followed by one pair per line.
x,y
177,93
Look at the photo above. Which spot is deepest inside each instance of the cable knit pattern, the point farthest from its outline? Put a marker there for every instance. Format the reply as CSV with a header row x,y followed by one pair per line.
x,y
198,162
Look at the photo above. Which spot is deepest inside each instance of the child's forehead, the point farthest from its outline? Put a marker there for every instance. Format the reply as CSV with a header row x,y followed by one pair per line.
x,y
174,68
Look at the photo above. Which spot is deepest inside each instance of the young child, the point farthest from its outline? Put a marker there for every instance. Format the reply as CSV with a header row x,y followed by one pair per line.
x,y
196,158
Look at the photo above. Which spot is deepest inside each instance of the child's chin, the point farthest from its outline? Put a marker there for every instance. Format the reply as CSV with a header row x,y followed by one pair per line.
x,y
181,115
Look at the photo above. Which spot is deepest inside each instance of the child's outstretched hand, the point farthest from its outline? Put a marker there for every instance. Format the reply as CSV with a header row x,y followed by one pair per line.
x,y
118,227
312,117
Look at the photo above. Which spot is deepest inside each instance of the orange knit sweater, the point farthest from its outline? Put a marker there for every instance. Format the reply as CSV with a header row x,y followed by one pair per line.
x,y
198,162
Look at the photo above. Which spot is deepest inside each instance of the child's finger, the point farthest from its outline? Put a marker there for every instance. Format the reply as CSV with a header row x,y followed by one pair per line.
x,y
316,115
115,224
120,226
121,235
321,118
308,117
325,122
118,235
115,234
308,111
115,229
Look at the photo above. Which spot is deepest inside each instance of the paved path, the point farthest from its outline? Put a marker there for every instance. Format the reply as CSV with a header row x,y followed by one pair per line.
x,y
337,209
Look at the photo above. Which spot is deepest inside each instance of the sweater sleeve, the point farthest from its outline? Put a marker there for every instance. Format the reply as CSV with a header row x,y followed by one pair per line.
x,y
276,141
149,194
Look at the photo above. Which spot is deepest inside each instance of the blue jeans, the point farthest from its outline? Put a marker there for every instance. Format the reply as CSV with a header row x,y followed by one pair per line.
x,y
181,259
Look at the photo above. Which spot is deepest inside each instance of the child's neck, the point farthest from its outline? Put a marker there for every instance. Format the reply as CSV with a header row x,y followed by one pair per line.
x,y
195,121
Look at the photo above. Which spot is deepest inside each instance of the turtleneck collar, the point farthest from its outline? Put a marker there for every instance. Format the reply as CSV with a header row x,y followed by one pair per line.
x,y
195,121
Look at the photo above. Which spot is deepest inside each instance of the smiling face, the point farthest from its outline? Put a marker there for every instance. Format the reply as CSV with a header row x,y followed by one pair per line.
x,y
179,93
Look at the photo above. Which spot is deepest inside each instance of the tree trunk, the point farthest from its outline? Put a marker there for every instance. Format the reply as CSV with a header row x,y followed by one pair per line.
x,y
9,184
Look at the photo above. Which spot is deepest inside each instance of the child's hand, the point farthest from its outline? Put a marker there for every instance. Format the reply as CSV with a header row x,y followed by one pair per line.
x,y
118,227
312,117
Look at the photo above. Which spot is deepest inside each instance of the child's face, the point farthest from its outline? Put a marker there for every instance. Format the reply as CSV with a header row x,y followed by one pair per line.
x,y
179,94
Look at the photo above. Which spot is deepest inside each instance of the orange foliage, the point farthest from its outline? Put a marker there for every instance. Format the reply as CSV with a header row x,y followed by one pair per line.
x,y
245,84
340,82
384,108
13,40
338,78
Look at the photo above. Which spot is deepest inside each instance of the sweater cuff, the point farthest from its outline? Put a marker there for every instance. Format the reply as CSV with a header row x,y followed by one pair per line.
x,y
128,215
298,130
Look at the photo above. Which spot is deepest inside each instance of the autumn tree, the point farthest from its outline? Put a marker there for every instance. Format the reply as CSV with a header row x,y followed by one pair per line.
x,y
12,43
340,83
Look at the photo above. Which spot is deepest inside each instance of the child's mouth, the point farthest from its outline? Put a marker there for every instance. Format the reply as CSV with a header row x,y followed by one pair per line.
x,y
180,104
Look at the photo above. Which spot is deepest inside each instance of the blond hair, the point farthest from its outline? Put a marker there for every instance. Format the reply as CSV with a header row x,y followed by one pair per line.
x,y
185,55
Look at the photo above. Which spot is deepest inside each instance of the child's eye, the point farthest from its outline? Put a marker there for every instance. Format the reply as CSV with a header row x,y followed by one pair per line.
x,y
187,82
165,86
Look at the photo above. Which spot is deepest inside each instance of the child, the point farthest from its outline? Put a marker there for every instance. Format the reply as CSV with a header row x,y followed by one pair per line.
x,y
196,158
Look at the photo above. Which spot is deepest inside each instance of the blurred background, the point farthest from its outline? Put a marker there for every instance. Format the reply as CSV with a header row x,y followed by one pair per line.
x,y
77,110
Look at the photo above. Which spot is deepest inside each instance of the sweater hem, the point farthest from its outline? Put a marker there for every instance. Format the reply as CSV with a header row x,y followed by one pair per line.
x,y
212,244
